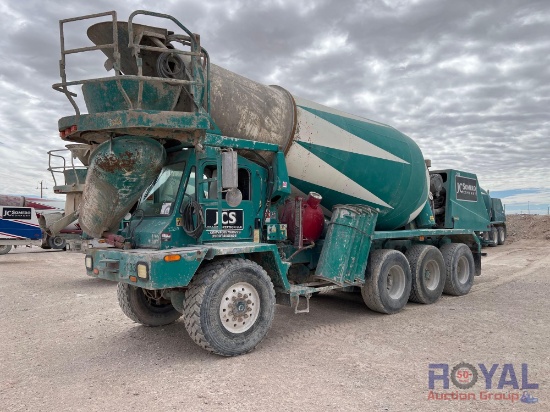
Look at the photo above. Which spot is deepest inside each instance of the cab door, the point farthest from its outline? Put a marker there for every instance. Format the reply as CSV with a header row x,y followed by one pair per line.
x,y
229,223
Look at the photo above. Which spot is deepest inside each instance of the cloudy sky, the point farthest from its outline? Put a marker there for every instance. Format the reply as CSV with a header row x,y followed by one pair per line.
x,y
468,80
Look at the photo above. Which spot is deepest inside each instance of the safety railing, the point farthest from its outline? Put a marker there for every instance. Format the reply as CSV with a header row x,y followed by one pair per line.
x,y
198,75
72,174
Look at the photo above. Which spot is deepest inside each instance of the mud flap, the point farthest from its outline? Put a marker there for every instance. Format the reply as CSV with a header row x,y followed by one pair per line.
x,y
477,262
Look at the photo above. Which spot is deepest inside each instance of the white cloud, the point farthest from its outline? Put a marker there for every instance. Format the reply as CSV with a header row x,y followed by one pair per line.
x,y
468,81
327,44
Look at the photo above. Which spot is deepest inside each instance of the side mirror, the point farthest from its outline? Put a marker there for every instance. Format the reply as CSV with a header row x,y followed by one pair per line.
x,y
229,170
234,197
230,179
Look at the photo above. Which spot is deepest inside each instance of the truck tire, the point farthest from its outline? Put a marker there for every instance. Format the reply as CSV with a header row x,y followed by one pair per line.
x,y
428,273
229,306
143,309
387,281
501,235
493,241
459,268
56,242
5,249
486,237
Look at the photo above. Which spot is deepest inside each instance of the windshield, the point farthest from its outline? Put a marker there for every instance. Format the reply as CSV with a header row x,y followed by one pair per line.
x,y
159,198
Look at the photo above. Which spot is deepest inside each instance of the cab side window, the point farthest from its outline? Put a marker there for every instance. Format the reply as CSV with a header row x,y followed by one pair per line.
x,y
210,189
244,183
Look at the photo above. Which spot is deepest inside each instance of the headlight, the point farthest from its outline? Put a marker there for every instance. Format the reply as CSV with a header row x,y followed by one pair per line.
x,y
89,263
142,270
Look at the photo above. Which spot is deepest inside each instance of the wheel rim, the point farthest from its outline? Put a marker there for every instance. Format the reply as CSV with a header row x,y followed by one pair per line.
x,y
240,307
57,241
396,282
432,275
462,270
501,235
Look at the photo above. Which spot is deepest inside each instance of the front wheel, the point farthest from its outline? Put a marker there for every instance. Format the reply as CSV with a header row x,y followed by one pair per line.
x,y
229,306
5,249
387,282
147,307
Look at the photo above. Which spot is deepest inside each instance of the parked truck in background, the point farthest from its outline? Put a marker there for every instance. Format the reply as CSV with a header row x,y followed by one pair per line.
x,y
243,195
24,222
18,227
496,231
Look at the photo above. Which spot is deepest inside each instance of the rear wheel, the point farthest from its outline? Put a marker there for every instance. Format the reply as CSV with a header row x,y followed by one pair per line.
x,y
501,235
428,273
459,268
147,307
56,242
387,282
229,306
494,237
5,249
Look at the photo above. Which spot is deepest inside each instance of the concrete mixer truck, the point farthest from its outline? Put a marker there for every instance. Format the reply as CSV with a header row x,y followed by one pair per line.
x,y
243,195
25,221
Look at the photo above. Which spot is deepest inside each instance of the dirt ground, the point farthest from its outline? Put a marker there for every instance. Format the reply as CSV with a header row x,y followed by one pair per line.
x,y
65,345
528,227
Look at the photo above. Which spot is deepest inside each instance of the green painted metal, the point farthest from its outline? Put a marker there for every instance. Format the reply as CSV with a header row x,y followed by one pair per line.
x,y
119,265
498,215
212,200
276,232
105,95
487,202
234,143
281,181
74,176
199,70
142,122
159,213
136,83
417,233
161,274
159,210
425,219
459,213
347,244
401,184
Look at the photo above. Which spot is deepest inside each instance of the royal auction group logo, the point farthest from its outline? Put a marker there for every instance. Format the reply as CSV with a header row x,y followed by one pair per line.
x,y
502,383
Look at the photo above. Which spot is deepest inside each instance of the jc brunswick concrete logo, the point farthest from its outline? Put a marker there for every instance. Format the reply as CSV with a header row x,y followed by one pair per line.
x,y
495,383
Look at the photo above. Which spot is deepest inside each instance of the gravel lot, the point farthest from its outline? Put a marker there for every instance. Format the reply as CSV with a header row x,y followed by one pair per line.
x,y
65,345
